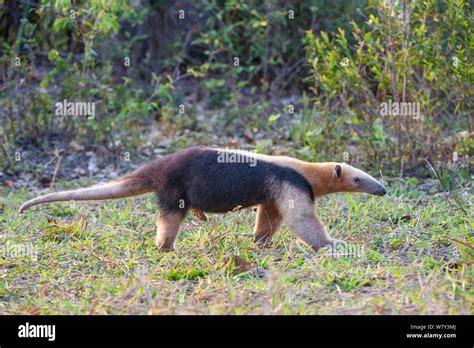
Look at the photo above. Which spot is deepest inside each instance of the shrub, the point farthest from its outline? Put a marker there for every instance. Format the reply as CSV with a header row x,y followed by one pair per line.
x,y
408,51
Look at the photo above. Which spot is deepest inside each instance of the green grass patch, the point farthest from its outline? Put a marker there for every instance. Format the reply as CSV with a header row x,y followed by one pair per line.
x,y
100,258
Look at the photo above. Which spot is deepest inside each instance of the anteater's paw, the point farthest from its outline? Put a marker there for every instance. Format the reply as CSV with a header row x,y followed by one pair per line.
x,y
164,247
261,244
166,250
263,241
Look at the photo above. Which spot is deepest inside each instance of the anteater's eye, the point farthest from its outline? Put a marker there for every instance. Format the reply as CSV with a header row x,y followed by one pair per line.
x,y
356,180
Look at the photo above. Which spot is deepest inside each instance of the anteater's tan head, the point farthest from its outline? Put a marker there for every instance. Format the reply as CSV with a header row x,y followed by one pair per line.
x,y
345,178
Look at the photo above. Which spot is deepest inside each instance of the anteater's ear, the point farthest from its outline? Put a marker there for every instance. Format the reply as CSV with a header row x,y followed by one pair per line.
x,y
337,171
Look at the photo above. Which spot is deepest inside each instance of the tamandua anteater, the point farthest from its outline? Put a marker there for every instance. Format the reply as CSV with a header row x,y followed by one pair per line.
x,y
204,180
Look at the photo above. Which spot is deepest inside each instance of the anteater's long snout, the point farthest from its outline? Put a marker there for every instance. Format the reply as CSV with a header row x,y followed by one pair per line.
x,y
376,188
380,191
372,186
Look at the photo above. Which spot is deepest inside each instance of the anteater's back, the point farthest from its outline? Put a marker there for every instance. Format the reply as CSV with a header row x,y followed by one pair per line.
x,y
218,180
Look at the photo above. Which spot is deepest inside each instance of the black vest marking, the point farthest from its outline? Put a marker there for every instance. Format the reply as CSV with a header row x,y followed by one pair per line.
x,y
196,179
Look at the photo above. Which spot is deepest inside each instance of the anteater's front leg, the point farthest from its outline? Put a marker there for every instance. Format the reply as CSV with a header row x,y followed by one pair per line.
x,y
298,213
267,223
167,229
308,228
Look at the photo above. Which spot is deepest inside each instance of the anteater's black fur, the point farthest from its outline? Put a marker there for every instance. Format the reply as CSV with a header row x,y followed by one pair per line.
x,y
197,178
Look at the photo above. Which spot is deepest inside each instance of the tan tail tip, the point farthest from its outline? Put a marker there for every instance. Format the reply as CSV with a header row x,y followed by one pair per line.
x,y
22,208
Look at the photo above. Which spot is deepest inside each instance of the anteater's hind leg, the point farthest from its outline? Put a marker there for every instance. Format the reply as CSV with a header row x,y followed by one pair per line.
x,y
167,230
267,223
199,214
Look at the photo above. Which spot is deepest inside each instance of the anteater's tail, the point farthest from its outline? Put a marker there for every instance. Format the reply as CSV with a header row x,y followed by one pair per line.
x,y
124,187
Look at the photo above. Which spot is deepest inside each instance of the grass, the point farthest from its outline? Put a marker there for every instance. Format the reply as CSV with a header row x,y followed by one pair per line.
x,y
100,258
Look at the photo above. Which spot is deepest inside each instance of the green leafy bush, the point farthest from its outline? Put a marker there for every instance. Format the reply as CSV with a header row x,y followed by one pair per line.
x,y
258,45
416,52
75,71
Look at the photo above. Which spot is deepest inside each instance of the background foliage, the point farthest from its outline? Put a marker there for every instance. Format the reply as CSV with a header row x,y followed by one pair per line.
x,y
411,52
336,61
